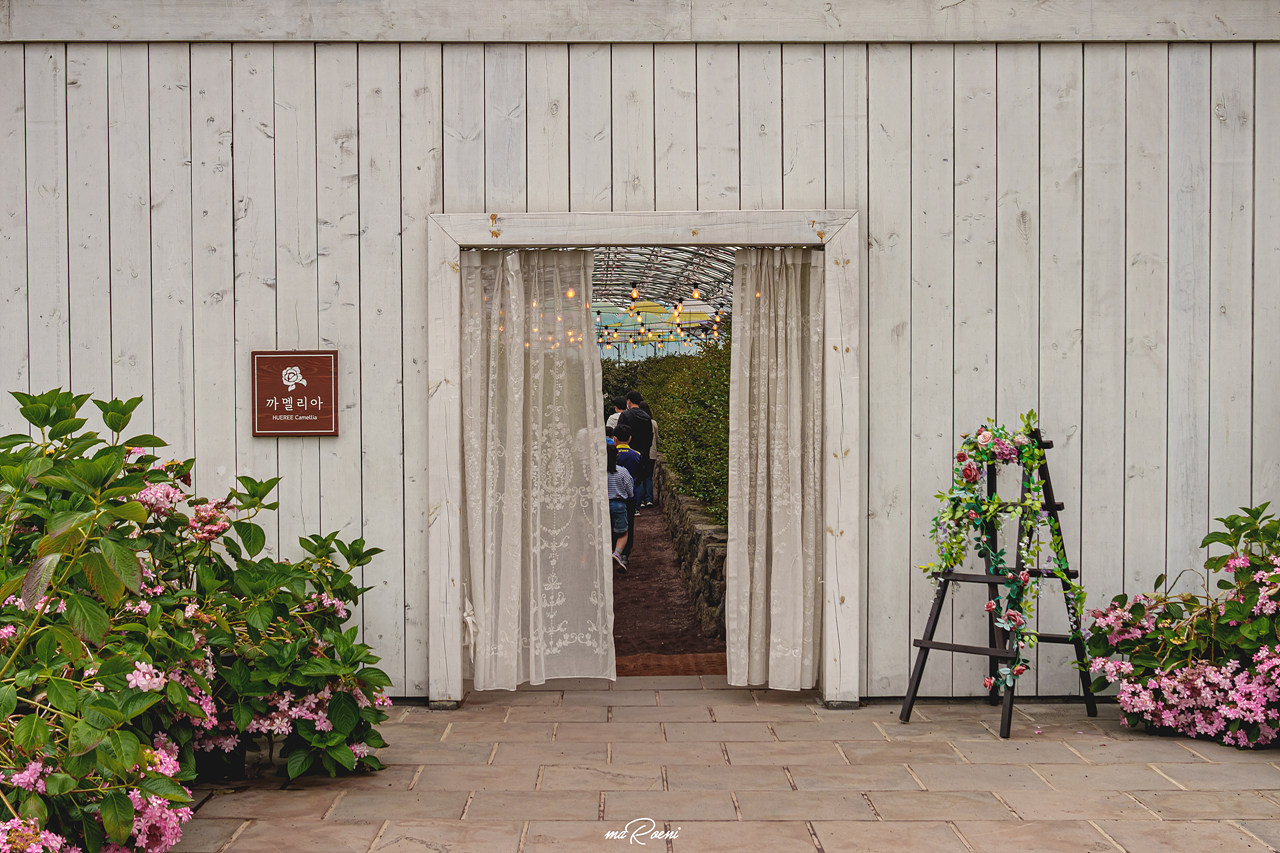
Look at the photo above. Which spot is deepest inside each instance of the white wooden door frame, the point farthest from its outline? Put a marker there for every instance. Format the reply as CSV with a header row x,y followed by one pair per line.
x,y
835,230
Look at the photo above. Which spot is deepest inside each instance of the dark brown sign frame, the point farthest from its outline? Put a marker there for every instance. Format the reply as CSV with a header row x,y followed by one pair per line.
x,y
295,393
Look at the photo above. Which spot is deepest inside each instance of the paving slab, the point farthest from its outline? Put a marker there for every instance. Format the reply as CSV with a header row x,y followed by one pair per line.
x,y
1208,805
1267,830
396,777
499,732
1221,754
871,777
272,804
620,777
668,753
330,836
616,732
669,805
437,753
1049,836
939,805
949,730
507,697
978,777
534,805
790,753
803,805
908,836
659,682
721,837
851,730
1018,752
706,697
447,836
724,777
207,835
1223,777
1112,777
763,714
719,732
1180,835
660,714
612,697
1163,750
569,836
1037,806
901,752
483,777
419,804
558,714
560,752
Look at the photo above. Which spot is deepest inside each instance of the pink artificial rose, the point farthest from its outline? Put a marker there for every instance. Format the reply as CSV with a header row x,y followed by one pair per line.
x,y
990,606
970,472
988,682
1019,669
961,456
984,438
1020,439
1025,576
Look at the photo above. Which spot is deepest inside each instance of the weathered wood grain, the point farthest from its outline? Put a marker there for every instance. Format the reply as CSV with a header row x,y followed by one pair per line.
x,y
760,108
14,348
1266,255
633,127
590,128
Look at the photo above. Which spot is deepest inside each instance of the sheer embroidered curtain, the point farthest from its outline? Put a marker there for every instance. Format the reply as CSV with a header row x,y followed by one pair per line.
x,y
537,577
773,606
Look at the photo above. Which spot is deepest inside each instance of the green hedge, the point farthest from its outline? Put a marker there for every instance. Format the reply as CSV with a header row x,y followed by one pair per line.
x,y
689,396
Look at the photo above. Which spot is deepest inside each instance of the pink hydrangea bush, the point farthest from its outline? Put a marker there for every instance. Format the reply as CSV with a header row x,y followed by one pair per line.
x,y
1197,664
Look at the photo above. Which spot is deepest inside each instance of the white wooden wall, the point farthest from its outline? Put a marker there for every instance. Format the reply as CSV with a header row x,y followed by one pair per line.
x,y
1092,231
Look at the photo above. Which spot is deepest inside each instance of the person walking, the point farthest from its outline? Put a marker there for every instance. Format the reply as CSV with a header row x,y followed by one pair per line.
x,y
628,458
644,488
621,489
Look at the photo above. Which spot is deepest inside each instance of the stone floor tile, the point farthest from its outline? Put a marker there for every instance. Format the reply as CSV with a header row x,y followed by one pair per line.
x,y
901,752
612,697
724,777
550,753
620,777
706,697
1065,732
484,777
418,804
1056,836
437,753
1267,830
1221,754
207,836
508,697
669,805
498,732
1208,805
450,836
1223,777
567,685
570,836
659,714
828,730
930,712
534,805
718,732
717,682
978,777
659,682
558,714
791,753
786,697
1106,777
721,837
1179,835
1017,752
1036,806
946,730
803,805
939,805
667,753
416,732
907,836
330,836
763,714
270,803
396,777
1110,751
870,777
608,732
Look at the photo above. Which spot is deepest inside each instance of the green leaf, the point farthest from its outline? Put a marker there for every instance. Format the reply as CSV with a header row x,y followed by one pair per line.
x,y
126,747
102,580
93,837
36,414
343,712
71,646
87,618
176,693
121,491
124,562
251,535
131,511
241,715
31,733
300,762
85,737
343,755
145,440
64,428
62,695
34,809
163,786
135,703
115,421
8,701
117,816
57,784
38,577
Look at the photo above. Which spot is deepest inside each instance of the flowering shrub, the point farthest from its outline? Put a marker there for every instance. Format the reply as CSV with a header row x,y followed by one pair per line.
x,y
134,636
968,514
1195,663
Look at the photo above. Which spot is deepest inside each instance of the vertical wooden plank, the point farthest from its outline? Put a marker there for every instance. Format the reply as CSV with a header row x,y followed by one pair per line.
x,y
718,146
633,126
13,233
1231,279
931,305
760,105
382,433
890,573
47,283
172,330
463,128
1146,311
1061,158
1266,258
547,83
675,117
129,156
803,152
504,128
88,257
297,292
590,130
213,268
338,268
1189,251
1102,473
421,194
974,392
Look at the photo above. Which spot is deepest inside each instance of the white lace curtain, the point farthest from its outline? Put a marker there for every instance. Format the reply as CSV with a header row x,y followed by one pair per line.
x,y
537,577
773,601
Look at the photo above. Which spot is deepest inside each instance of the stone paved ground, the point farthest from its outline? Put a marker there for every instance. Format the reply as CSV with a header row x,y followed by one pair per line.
x,y
729,769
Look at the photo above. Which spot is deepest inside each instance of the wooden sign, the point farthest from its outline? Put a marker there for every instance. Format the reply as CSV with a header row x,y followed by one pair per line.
x,y
295,392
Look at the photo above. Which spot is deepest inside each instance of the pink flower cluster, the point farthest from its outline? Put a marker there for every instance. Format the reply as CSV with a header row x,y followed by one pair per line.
x,y
208,521
160,498
157,826
323,600
25,836
32,778
1112,670
141,607
1120,622
280,721
145,677
1005,451
42,602
8,632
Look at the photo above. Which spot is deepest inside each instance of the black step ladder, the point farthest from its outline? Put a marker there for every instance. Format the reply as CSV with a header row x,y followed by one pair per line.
x,y
1001,644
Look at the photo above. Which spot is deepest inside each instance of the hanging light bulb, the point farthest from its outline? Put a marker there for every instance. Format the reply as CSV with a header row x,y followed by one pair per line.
x,y
570,293
696,294
635,294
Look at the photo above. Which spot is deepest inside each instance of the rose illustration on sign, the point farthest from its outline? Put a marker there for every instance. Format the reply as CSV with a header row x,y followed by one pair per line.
x,y
292,376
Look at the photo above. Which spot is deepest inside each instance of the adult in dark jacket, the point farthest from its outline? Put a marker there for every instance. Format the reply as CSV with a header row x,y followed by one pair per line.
x,y
640,423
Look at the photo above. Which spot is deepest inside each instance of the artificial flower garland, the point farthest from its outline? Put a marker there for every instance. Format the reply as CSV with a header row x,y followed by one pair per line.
x,y
967,511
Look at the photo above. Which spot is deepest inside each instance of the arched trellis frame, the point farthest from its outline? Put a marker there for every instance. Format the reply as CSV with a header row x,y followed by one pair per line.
x,y
835,231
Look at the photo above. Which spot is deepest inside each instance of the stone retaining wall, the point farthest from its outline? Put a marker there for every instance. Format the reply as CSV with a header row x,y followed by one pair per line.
x,y
700,544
